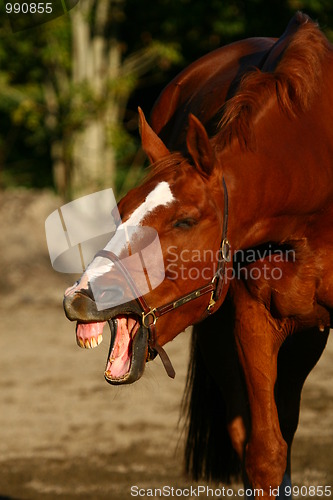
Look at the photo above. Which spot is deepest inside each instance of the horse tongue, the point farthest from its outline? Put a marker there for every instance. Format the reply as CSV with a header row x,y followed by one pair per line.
x,y
119,361
89,335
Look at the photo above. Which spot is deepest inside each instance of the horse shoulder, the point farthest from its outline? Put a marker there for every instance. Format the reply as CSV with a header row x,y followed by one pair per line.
x,y
286,284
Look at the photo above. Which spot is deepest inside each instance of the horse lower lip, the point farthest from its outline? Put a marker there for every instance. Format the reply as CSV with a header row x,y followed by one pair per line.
x,y
123,330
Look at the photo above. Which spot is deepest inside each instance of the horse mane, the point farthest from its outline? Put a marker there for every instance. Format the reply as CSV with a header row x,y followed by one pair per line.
x,y
295,81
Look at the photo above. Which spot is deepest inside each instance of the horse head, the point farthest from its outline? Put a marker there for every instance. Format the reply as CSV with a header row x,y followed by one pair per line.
x,y
181,203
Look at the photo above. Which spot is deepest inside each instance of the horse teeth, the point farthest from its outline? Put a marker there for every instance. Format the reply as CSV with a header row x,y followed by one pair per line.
x,y
87,344
99,339
79,342
93,342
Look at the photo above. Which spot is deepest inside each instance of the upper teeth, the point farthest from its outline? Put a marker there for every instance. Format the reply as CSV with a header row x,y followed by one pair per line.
x,y
89,343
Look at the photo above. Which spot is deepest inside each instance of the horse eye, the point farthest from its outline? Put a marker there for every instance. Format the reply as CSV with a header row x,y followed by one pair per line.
x,y
185,223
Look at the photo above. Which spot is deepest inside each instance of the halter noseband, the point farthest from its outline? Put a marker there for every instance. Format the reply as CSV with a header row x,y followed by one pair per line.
x,y
150,315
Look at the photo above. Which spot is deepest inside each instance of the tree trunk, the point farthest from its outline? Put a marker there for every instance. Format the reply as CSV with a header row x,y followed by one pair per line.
x,y
95,61
87,103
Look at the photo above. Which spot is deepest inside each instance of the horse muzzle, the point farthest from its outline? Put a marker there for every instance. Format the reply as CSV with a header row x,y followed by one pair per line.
x,y
80,306
128,350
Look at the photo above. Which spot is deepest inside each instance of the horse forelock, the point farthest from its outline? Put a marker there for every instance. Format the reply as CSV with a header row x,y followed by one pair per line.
x,y
295,82
166,167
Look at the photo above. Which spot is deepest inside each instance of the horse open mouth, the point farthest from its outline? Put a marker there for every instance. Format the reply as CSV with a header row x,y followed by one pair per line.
x,y
128,350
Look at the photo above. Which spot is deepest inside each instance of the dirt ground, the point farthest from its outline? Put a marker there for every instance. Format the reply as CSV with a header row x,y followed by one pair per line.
x,y
66,433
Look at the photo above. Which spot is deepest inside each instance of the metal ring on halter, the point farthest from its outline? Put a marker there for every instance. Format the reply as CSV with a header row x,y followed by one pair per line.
x,y
152,313
225,249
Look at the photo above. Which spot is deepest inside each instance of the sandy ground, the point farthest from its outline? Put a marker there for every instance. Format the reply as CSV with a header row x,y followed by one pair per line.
x,y
66,433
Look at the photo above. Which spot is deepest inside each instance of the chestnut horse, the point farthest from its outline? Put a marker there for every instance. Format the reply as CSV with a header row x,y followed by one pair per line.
x,y
252,167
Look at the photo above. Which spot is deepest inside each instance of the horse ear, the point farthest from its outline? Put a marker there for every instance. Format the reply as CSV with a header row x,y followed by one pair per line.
x,y
199,147
152,145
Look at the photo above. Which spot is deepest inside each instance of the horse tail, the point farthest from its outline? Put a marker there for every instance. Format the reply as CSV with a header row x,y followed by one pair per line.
x,y
209,454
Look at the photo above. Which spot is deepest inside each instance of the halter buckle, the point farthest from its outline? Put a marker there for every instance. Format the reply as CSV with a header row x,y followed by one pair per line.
x,y
152,313
212,302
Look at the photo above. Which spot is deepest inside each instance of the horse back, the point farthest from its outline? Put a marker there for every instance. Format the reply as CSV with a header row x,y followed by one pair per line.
x,y
203,87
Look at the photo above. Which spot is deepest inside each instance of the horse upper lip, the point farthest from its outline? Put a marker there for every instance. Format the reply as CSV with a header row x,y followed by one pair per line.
x,y
87,292
79,306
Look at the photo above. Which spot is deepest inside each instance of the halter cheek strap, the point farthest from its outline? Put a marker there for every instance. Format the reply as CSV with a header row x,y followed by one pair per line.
x,y
147,312
150,315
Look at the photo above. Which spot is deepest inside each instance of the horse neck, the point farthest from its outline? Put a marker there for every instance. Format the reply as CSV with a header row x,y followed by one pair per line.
x,y
275,189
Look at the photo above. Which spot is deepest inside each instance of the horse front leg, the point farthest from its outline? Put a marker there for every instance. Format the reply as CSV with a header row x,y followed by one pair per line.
x,y
258,341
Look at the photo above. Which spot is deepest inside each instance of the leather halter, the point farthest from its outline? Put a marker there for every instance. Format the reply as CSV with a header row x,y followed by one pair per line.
x,y
150,315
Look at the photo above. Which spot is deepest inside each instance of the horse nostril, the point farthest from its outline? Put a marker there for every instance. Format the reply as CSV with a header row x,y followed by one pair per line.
x,y
109,296
87,291
71,306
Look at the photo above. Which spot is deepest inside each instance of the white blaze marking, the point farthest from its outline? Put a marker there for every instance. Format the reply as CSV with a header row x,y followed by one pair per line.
x,y
161,195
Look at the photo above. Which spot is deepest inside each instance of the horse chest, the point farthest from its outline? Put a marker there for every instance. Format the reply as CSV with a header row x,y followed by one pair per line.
x,y
288,288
